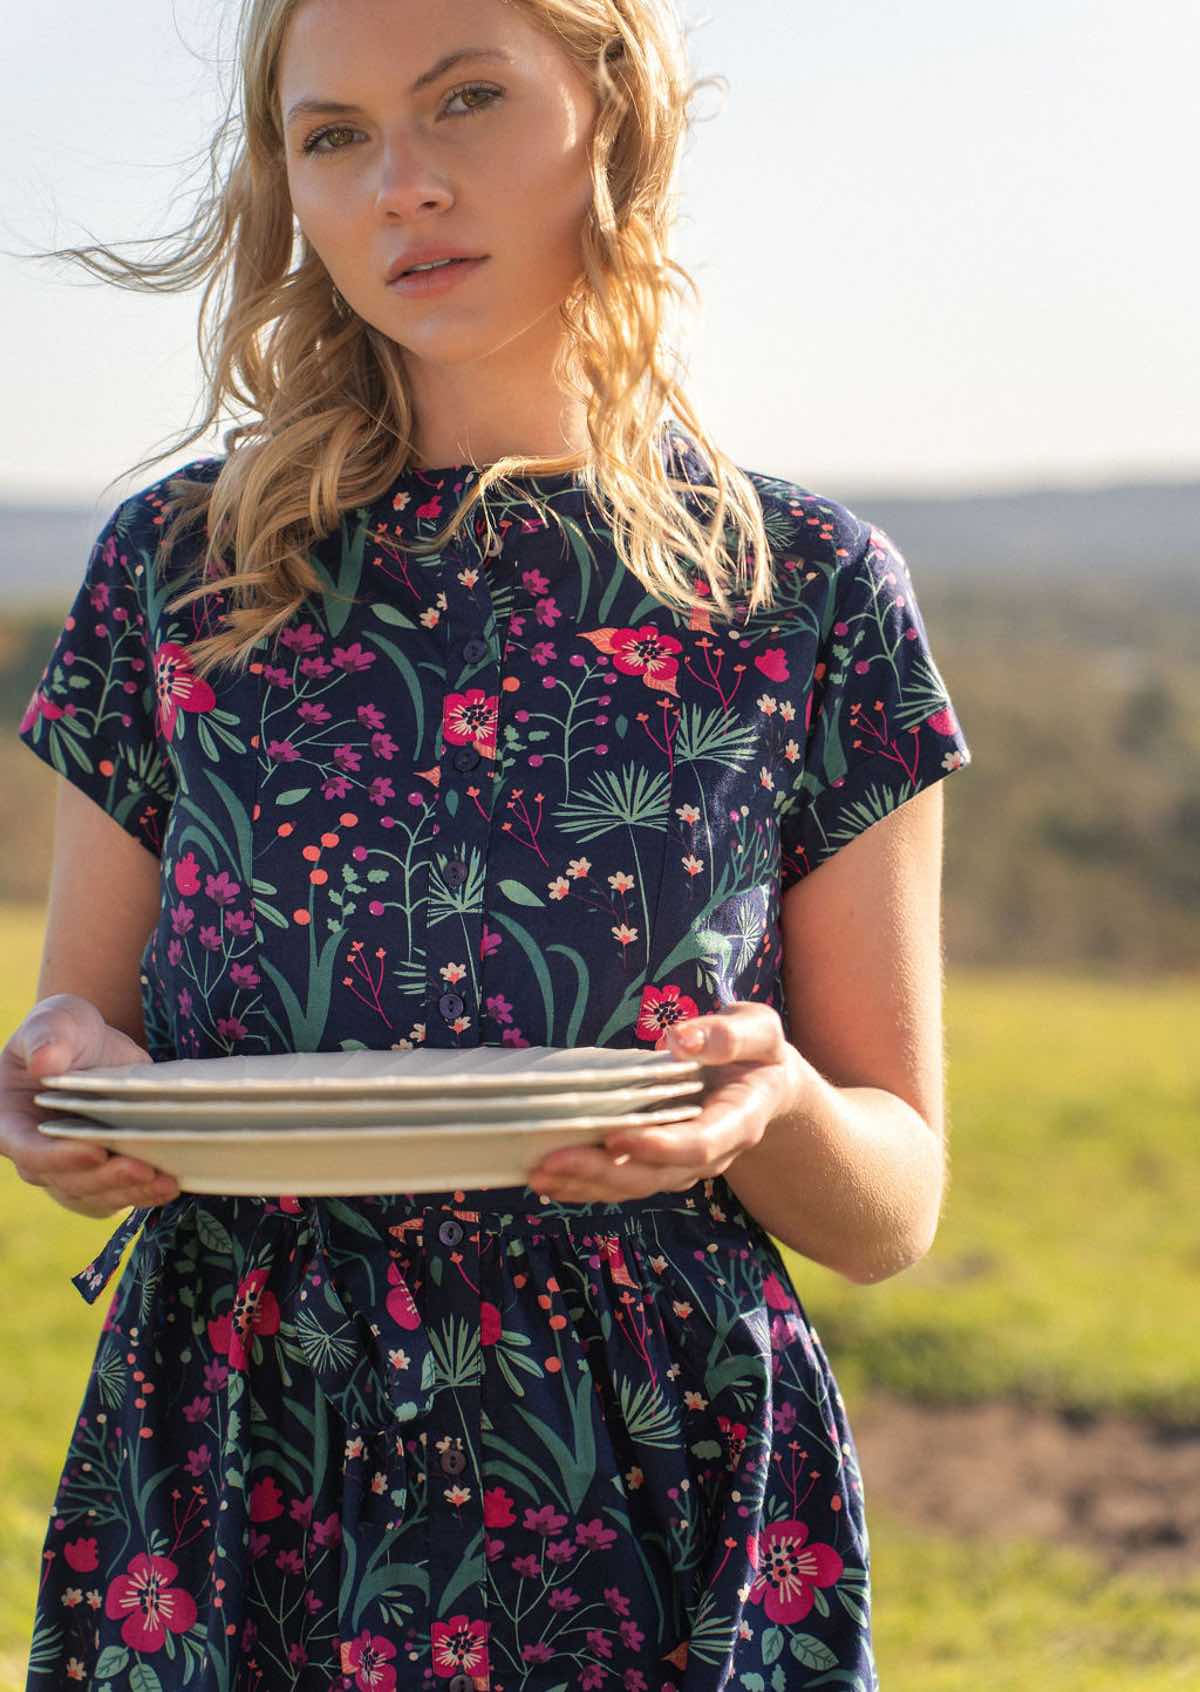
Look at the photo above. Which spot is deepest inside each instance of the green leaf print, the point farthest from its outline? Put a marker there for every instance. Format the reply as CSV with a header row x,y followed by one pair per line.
x,y
631,797
293,796
583,984
112,1660
811,1651
578,1467
142,1678
537,963
648,1416
408,675
392,614
519,893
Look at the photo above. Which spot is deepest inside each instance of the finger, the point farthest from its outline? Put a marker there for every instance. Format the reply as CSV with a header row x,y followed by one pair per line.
x,y
78,1167
745,1031
730,1122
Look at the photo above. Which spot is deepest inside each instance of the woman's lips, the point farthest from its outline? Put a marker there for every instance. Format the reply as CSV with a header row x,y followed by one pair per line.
x,y
437,281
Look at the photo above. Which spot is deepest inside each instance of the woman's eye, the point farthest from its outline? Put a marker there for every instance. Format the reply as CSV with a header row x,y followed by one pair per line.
x,y
493,94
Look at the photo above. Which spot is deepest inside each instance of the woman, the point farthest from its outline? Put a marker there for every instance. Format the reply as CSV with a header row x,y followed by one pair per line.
x,y
453,720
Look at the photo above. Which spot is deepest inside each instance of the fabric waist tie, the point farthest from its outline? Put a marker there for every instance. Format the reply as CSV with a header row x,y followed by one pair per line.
x,y
331,1323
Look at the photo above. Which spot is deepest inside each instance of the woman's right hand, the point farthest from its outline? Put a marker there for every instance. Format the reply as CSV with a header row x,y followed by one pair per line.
x,y
68,1033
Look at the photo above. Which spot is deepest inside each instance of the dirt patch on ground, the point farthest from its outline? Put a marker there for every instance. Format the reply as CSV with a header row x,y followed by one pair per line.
x,y
1123,1489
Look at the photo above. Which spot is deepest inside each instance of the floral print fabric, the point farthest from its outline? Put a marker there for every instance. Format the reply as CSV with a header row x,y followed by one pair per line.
x,y
475,1439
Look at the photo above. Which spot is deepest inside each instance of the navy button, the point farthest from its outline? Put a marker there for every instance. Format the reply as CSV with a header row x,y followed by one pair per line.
x,y
465,758
455,872
453,1462
450,1232
460,1683
473,650
450,1005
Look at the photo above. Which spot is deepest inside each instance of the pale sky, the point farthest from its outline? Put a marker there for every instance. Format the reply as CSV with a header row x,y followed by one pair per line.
x,y
939,246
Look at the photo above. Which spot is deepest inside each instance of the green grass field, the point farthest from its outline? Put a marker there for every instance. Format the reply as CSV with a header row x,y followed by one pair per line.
x,y
1063,1273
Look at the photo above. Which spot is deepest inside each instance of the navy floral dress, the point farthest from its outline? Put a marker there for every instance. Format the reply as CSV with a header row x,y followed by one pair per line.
x,y
474,1439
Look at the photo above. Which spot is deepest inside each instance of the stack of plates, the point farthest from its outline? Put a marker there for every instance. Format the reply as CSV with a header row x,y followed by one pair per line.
x,y
342,1123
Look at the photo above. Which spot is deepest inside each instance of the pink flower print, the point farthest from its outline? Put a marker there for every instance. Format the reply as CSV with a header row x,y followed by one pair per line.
x,y
335,787
352,657
777,1296
546,1520
303,639
197,1410
640,652
367,1658
400,1304
328,1532
182,918
39,706
187,878
316,666
773,663
312,711
381,790
276,676
244,975
199,1462
370,716
943,722
498,1509
237,922
383,746
151,1606
459,1646
301,1510
178,687
215,1376
347,758
266,1500
499,1007
221,889
662,1008
594,1535
542,652
789,1569
470,719
81,1554
255,1311
282,751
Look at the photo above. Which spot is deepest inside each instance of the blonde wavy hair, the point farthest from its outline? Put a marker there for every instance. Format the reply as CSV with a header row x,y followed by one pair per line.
x,y
333,416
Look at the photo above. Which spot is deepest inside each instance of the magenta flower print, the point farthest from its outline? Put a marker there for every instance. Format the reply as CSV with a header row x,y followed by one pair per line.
x,y
255,1311
469,719
367,1662
789,1569
178,687
149,1605
641,652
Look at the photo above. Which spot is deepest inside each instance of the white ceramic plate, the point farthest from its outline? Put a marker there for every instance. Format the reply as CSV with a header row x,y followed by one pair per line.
x,y
300,1112
352,1162
474,1069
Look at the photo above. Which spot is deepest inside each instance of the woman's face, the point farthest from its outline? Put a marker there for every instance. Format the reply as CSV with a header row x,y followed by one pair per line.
x,y
489,157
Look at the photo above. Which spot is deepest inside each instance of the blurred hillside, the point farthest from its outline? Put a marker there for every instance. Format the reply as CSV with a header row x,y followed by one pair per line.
x,y
1065,626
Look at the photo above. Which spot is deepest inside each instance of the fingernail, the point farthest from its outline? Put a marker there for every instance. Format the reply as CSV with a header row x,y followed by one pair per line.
x,y
689,1039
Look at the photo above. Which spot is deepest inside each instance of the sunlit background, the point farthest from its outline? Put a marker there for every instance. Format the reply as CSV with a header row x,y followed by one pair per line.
x,y
947,257
940,246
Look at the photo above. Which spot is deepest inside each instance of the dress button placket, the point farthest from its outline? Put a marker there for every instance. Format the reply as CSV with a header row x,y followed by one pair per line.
x,y
454,1486
464,819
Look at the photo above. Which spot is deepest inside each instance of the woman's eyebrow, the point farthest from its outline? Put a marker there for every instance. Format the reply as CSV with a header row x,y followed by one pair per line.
x,y
312,104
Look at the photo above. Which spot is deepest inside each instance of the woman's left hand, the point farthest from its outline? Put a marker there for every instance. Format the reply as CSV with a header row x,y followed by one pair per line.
x,y
758,1075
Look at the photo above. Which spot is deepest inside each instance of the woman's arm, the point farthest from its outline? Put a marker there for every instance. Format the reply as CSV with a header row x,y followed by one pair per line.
x,y
853,1174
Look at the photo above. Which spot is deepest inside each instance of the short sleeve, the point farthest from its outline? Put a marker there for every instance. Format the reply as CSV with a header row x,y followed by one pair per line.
x,y
92,715
879,723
